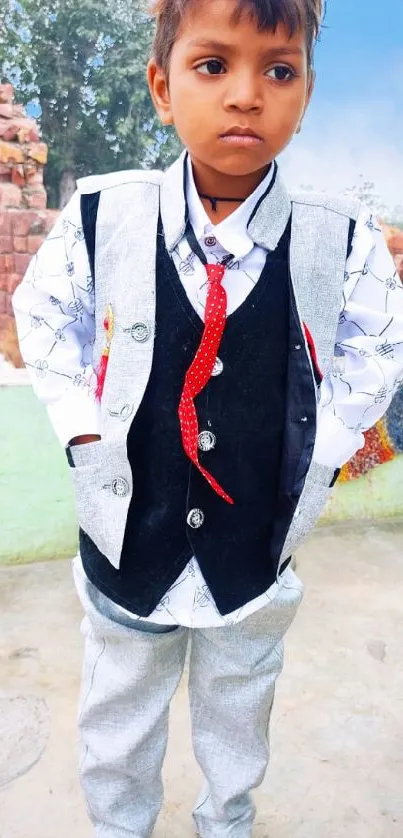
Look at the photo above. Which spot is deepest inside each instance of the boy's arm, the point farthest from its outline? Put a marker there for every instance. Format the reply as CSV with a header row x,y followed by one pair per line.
x,y
54,310
368,365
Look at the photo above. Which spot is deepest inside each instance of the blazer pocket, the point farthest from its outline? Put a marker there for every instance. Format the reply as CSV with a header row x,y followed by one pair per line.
x,y
315,494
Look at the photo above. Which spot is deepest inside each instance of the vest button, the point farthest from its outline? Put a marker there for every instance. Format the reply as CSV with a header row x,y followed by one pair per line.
x,y
126,412
195,519
140,332
207,441
210,241
218,367
120,487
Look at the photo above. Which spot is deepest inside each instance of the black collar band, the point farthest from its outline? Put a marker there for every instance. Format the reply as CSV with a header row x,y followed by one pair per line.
x,y
215,201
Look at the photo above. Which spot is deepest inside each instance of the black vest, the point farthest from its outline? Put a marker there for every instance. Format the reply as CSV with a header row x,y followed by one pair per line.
x,y
245,407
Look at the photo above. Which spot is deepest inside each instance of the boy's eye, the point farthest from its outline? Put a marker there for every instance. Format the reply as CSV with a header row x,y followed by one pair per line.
x,y
213,67
281,73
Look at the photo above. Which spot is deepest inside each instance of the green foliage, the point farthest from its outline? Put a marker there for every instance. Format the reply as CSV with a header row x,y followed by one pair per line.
x,y
84,64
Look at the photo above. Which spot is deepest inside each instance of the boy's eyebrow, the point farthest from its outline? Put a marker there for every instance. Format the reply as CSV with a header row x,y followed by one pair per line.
x,y
271,52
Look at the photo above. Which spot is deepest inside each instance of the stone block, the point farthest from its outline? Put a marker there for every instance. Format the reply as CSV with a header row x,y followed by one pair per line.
x,y
38,152
13,281
5,224
34,243
21,262
20,244
6,94
10,153
5,172
33,174
35,199
6,244
6,263
4,282
10,196
18,175
3,302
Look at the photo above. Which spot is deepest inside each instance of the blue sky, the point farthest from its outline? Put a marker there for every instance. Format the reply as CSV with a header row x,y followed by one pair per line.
x,y
355,123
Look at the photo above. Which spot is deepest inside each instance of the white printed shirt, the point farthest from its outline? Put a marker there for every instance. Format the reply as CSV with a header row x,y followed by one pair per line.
x,y
54,309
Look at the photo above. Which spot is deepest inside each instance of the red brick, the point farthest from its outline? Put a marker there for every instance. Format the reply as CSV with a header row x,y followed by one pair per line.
x,y
18,175
25,222
6,263
37,199
5,224
4,282
395,244
10,152
33,175
20,244
50,220
38,152
13,281
6,93
21,262
34,243
10,310
10,196
7,110
6,244
3,302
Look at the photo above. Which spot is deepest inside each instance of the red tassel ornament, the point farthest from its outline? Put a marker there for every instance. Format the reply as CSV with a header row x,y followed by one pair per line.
x,y
109,326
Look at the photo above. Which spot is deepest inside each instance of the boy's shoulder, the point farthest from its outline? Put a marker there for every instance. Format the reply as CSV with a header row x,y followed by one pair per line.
x,y
100,183
339,204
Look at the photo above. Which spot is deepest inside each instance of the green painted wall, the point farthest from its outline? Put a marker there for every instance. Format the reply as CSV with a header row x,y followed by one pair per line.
x,y
37,508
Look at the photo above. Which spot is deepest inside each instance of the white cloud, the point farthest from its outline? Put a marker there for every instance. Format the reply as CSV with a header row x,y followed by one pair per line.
x,y
341,144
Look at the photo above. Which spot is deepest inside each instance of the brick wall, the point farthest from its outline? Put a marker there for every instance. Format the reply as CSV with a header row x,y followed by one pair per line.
x,y
24,219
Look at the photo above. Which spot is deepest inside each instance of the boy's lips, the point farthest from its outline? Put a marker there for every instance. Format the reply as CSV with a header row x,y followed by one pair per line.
x,y
241,136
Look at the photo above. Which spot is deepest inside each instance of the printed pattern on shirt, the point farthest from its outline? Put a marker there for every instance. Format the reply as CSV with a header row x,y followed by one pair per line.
x,y
55,305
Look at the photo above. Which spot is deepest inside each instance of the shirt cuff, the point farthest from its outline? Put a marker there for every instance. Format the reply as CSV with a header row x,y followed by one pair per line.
x,y
335,444
75,414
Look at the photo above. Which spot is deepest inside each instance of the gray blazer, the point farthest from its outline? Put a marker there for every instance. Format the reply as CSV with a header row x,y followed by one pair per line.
x,y
125,278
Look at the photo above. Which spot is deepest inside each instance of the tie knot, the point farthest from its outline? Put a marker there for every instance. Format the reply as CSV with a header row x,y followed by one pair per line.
x,y
215,273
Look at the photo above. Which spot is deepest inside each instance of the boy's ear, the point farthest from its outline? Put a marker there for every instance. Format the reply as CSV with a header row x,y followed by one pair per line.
x,y
159,89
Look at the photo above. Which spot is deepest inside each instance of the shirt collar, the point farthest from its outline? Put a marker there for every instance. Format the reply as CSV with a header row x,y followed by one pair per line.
x,y
232,233
269,218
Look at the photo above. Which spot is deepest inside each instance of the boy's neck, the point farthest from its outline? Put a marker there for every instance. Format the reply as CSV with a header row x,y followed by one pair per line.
x,y
217,185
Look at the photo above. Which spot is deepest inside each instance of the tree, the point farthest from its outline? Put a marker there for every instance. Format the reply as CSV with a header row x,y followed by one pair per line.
x,y
83,64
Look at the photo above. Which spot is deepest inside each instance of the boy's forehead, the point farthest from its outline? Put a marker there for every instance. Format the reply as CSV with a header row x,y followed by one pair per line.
x,y
218,20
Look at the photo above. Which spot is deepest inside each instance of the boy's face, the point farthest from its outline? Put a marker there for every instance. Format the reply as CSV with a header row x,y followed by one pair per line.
x,y
235,95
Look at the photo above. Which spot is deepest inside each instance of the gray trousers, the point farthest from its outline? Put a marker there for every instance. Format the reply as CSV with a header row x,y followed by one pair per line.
x,y
129,679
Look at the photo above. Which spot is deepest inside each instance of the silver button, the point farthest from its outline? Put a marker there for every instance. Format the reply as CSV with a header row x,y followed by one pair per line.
x,y
140,332
210,241
304,418
195,519
120,487
207,441
297,347
218,367
126,412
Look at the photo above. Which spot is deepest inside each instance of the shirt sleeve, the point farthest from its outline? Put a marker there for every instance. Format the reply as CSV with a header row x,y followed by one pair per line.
x,y
54,308
368,362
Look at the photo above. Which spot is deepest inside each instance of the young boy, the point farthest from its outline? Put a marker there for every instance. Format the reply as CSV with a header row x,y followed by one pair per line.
x,y
210,352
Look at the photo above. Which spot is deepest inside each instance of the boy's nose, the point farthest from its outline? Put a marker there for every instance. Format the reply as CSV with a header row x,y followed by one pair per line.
x,y
243,94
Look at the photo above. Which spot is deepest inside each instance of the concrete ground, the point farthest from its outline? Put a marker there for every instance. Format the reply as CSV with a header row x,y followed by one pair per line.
x,y
337,767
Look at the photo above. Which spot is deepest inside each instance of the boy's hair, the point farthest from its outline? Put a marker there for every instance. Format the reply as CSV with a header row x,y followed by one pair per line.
x,y
293,14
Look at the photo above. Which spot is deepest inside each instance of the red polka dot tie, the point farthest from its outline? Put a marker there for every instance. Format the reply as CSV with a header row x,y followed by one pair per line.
x,y
199,373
